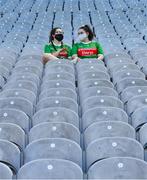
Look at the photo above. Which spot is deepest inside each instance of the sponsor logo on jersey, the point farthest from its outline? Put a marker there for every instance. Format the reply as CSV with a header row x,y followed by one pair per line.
x,y
87,51
63,54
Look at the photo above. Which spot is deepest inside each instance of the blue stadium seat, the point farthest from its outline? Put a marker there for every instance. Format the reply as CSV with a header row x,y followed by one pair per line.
x,y
5,172
50,169
119,168
113,147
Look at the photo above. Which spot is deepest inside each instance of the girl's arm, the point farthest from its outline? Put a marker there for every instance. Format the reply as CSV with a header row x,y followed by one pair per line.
x,y
48,57
56,54
100,52
74,53
51,56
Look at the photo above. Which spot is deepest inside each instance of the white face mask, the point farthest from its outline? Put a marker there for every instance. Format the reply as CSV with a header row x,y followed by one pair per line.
x,y
82,36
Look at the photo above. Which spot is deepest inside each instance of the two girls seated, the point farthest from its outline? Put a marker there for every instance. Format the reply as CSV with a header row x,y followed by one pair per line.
x,y
85,48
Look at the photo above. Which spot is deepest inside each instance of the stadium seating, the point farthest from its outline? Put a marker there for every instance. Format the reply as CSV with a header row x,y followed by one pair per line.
x,y
73,121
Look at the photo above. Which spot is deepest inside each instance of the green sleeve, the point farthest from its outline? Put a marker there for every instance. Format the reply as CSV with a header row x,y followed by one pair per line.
x,y
47,49
99,47
69,51
74,49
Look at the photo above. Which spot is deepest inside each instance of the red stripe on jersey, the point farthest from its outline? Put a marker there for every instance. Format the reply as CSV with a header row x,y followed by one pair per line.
x,y
87,51
63,54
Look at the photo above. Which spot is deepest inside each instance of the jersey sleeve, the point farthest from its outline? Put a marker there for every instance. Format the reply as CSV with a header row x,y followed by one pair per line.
x,y
47,49
99,47
69,51
74,49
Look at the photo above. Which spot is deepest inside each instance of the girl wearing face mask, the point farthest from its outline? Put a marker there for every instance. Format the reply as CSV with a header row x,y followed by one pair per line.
x,y
86,48
56,49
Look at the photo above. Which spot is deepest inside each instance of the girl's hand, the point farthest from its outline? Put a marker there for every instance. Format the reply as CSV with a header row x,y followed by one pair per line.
x,y
63,49
75,60
100,57
78,59
58,52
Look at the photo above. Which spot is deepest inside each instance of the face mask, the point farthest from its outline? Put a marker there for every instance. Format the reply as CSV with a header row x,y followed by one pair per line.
x,y
59,37
82,36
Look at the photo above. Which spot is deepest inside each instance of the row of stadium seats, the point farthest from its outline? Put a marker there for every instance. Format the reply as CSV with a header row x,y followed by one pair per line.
x,y
98,101
66,121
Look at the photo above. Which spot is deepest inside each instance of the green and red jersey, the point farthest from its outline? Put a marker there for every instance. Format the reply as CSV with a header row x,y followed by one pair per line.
x,y
87,50
50,48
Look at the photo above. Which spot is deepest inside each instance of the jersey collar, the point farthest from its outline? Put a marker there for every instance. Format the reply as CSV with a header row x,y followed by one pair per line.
x,y
86,42
57,44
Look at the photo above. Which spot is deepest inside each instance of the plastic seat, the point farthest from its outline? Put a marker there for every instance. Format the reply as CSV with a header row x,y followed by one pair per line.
x,y
57,84
13,116
113,147
6,63
89,61
101,101
29,62
59,92
108,129
100,114
91,67
130,92
4,72
25,76
116,55
122,60
92,75
27,94
32,56
119,168
58,102
22,84
124,83
2,81
5,172
119,75
13,133
26,69
10,155
144,69
59,76
136,102
139,117
143,135
124,66
58,62
95,82
50,169
17,103
97,91
53,68
56,114
54,130
141,62
53,148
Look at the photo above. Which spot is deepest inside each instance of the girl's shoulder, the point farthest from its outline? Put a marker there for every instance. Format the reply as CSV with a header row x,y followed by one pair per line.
x,y
77,44
95,42
47,44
